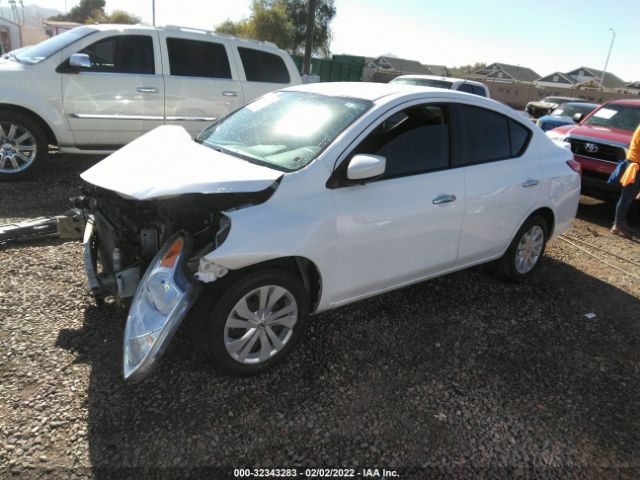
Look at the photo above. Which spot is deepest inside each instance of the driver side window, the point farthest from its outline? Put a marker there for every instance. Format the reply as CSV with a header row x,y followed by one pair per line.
x,y
413,141
122,54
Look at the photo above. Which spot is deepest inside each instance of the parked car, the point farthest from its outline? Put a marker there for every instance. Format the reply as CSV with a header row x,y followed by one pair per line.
x,y
544,106
600,141
95,88
468,86
566,114
310,198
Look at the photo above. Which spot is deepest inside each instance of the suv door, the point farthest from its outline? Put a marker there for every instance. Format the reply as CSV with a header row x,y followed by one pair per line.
x,y
502,181
120,96
201,83
404,225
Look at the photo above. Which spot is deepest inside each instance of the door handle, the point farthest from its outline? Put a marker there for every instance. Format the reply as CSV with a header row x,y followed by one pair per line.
x,y
230,93
440,199
531,183
147,89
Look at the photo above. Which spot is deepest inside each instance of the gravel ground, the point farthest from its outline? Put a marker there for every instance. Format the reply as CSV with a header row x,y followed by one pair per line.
x,y
463,375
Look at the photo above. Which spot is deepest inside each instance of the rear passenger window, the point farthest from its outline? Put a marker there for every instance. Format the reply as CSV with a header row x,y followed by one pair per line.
x,y
491,136
478,90
193,58
413,141
122,54
262,66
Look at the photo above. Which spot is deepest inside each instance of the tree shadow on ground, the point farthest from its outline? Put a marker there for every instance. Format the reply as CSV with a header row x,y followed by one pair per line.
x,y
461,370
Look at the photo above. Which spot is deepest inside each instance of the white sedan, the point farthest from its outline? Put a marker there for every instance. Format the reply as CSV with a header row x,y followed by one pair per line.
x,y
311,198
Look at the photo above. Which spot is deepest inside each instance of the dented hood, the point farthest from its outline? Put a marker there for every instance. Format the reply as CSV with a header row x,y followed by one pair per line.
x,y
167,162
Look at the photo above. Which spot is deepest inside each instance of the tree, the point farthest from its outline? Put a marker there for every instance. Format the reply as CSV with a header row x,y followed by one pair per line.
x,y
92,11
463,70
284,22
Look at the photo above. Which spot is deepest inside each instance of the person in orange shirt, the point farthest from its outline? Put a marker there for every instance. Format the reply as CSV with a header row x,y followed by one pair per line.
x,y
630,187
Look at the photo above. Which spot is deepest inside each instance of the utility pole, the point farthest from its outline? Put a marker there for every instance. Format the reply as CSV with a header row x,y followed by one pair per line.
x,y
606,63
153,13
308,43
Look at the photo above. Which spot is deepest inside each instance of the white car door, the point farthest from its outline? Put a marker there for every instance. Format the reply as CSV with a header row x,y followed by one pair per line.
x,y
201,79
502,181
121,96
405,225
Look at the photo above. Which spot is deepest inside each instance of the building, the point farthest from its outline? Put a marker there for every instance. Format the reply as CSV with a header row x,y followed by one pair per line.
x,y
583,78
10,37
53,28
503,72
14,36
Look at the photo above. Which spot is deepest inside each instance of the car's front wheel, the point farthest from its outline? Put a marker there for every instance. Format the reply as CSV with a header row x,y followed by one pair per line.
x,y
523,255
23,145
251,323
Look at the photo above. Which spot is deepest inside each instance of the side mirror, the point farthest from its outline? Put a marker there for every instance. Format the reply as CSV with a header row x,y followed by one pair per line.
x,y
366,167
578,117
80,61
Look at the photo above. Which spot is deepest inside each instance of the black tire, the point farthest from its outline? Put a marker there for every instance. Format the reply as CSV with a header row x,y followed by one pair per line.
x,y
507,264
24,123
208,319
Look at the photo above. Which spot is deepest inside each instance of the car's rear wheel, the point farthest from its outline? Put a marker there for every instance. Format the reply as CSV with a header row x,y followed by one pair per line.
x,y
23,145
527,247
251,323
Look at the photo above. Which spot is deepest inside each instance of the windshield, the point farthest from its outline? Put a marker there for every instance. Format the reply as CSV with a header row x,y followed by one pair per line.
x,y
570,109
42,50
623,117
285,130
423,82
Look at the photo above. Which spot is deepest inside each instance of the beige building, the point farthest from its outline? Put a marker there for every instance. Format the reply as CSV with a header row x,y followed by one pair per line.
x,y
14,36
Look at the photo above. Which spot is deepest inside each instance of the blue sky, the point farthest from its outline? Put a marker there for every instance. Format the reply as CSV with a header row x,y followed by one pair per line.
x,y
545,35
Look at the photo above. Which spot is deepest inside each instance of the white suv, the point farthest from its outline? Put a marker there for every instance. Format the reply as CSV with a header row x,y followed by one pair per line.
x,y
468,86
96,88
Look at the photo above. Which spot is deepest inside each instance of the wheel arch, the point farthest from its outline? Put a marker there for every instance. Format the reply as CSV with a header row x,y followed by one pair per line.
x,y
303,268
549,218
51,137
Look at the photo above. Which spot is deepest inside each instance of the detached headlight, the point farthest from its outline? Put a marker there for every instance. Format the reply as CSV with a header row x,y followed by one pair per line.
x,y
162,300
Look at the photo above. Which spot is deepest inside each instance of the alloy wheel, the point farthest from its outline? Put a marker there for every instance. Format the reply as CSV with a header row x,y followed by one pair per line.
x,y
529,249
260,324
17,147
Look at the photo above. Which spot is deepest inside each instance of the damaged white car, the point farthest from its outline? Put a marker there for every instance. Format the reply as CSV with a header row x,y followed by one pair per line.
x,y
308,199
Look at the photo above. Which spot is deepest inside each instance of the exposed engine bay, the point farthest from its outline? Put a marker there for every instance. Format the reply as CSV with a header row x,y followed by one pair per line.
x,y
124,235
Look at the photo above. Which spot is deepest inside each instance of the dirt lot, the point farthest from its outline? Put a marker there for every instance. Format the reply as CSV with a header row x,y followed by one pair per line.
x,y
461,375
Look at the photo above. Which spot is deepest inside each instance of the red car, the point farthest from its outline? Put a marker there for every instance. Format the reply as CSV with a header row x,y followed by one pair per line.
x,y
599,141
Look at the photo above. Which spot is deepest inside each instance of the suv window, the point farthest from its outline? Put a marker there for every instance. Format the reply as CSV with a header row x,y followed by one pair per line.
x,y
122,54
194,58
478,90
491,136
262,66
413,141
466,87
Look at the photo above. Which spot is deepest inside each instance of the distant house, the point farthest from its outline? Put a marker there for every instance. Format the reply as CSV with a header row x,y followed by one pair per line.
x,y
10,36
507,73
54,28
14,36
439,70
401,65
582,77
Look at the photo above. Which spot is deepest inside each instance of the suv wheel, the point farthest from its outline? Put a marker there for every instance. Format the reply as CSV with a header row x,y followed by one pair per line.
x,y
23,145
526,249
252,323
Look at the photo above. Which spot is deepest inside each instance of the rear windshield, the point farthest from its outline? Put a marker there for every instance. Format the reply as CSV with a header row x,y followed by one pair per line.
x,y
623,117
423,82
43,50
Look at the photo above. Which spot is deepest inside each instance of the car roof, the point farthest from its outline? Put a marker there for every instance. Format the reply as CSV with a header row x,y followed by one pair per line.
x,y
625,101
435,77
366,90
581,104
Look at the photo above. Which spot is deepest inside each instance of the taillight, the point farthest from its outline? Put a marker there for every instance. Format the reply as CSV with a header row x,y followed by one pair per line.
x,y
575,166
